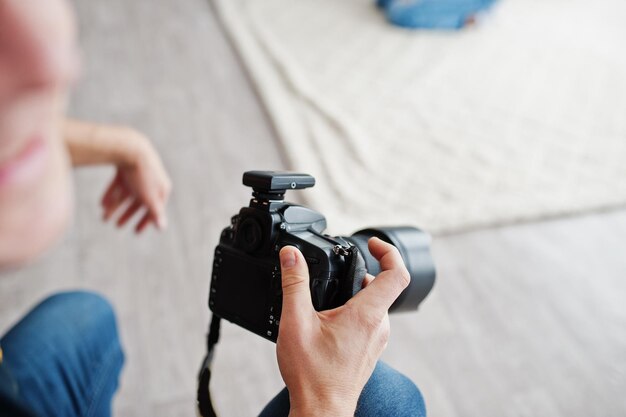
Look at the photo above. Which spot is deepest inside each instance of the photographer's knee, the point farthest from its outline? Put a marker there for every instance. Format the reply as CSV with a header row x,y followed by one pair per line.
x,y
66,350
84,310
390,393
86,320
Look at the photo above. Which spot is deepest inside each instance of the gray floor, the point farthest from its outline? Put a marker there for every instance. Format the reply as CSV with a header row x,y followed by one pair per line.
x,y
525,320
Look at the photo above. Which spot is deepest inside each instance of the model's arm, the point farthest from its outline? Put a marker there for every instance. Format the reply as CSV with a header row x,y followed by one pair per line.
x,y
141,184
93,144
325,358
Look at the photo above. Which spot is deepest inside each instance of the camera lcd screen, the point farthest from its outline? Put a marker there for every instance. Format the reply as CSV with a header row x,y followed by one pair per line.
x,y
243,292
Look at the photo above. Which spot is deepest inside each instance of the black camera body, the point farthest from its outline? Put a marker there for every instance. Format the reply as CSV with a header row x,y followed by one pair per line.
x,y
246,281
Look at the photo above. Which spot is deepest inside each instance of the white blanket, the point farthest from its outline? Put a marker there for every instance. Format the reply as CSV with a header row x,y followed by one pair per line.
x,y
521,117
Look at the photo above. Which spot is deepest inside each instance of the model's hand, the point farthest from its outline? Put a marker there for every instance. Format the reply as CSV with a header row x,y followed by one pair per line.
x,y
140,185
327,357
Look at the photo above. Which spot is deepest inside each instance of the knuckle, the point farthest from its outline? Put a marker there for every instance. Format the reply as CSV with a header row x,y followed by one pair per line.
x,y
384,335
393,256
404,278
292,281
370,321
394,252
351,310
384,332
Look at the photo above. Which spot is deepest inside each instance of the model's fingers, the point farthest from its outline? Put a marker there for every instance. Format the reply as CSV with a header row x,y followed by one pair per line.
x,y
143,223
157,213
112,192
295,282
152,201
128,213
120,197
165,190
109,195
165,195
155,202
380,293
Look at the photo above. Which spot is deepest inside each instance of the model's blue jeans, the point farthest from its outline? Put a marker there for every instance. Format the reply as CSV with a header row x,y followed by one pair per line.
x,y
64,359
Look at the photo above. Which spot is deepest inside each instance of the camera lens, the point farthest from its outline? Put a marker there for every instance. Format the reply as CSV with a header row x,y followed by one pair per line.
x,y
414,247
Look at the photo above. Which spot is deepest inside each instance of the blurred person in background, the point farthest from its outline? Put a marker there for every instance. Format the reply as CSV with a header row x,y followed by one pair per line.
x,y
64,357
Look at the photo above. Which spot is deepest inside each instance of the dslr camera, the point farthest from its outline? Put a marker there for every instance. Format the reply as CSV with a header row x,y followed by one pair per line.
x,y
246,283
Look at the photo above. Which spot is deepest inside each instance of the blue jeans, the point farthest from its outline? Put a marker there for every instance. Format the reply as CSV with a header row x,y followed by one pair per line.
x,y
388,393
63,358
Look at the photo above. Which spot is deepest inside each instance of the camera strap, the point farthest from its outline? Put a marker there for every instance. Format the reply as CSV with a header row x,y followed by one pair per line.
x,y
204,403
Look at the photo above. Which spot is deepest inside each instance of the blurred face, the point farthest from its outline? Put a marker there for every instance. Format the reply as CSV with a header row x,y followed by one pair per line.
x,y
38,61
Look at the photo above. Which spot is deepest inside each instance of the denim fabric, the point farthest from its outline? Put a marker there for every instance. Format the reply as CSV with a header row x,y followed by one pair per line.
x,y
433,14
63,358
388,393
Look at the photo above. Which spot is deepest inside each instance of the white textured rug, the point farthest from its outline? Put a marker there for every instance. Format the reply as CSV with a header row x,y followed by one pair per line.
x,y
519,118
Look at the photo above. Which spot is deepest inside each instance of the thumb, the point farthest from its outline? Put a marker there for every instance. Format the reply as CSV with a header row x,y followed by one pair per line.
x,y
295,282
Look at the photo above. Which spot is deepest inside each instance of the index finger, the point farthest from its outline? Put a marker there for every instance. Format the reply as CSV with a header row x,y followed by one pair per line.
x,y
381,293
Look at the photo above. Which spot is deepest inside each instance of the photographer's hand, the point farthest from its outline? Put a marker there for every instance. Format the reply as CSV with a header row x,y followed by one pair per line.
x,y
325,358
140,184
